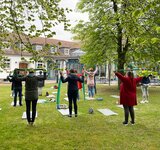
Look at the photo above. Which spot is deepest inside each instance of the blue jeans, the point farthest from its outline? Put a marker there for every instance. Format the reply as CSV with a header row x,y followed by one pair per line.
x,y
91,91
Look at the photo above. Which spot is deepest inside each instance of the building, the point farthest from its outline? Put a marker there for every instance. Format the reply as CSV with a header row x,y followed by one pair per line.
x,y
59,54
53,54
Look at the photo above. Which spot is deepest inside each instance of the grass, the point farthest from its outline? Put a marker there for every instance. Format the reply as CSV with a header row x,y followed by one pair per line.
x,y
52,131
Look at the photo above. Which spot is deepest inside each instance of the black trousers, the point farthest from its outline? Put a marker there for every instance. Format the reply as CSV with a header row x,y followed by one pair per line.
x,y
72,96
19,92
28,109
128,110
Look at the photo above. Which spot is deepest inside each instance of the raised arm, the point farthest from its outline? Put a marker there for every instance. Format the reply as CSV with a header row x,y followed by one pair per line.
x,y
10,78
120,76
96,70
62,78
44,77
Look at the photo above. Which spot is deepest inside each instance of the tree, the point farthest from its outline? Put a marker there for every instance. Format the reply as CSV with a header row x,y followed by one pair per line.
x,y
119,30
21,20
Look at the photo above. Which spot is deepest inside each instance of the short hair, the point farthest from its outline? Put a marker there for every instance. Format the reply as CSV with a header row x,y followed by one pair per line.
x,y
130,74
90,69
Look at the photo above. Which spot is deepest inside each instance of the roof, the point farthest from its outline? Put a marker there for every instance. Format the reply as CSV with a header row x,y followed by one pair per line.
x,y
43,41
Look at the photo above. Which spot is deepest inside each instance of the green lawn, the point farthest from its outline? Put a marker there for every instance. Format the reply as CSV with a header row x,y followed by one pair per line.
x,y
52,131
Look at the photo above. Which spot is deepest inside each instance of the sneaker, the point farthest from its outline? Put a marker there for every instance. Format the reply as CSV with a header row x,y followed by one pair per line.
x,y
76,115
20,105
125,123
142,102
146,101
69,115
132,123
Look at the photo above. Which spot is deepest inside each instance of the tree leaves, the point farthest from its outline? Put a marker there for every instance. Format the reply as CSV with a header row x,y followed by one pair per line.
x,y
125,30
28,18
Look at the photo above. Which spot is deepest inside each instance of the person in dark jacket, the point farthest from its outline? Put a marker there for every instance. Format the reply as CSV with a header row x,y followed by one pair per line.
x,y
31,93
16,86
144,87
72,79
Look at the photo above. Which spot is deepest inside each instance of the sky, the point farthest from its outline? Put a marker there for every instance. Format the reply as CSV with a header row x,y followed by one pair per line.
x,y
72,16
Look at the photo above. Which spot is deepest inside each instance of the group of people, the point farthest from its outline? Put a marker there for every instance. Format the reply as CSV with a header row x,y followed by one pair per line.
x,y
74,85
128,97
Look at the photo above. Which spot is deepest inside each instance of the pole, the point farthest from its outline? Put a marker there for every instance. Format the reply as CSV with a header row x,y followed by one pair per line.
x,y
58,94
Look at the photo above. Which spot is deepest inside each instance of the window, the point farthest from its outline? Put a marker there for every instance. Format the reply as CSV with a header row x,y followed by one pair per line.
x,y
40,64
7,63
53,49
39,47
20,45
66,51
5,45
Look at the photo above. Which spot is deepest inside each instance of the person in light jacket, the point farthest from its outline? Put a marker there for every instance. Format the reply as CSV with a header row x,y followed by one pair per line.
x,y
91,81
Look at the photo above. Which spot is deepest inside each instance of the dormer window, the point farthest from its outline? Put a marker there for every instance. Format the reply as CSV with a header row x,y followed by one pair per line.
x,y
53,49
7,63
20,45
66,51
5,45
37,47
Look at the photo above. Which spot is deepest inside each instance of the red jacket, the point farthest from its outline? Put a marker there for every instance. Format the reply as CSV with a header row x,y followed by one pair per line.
x,y
128,86
79,84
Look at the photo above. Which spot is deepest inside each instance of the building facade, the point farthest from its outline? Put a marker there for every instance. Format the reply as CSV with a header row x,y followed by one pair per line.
x,y
59,55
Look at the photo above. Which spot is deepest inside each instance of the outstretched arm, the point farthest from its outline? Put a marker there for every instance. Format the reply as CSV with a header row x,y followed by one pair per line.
x,y
62,78
96,69
120,76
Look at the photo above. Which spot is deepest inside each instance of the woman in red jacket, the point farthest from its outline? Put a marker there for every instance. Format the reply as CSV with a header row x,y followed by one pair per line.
x,y
128,97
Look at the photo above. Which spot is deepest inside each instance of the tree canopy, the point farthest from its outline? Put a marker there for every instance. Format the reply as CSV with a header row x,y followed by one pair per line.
x,y
21,20
122,31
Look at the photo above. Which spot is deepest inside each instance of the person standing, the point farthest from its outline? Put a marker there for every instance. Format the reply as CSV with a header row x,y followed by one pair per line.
x,y
40,84
128,97
31,93
91,81
144,87
16,86
72,93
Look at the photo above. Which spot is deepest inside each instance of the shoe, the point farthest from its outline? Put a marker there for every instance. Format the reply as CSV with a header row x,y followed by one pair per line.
x,y
142,102
132,123
76,115
146,101
69,115
20,105
125,123
14,105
